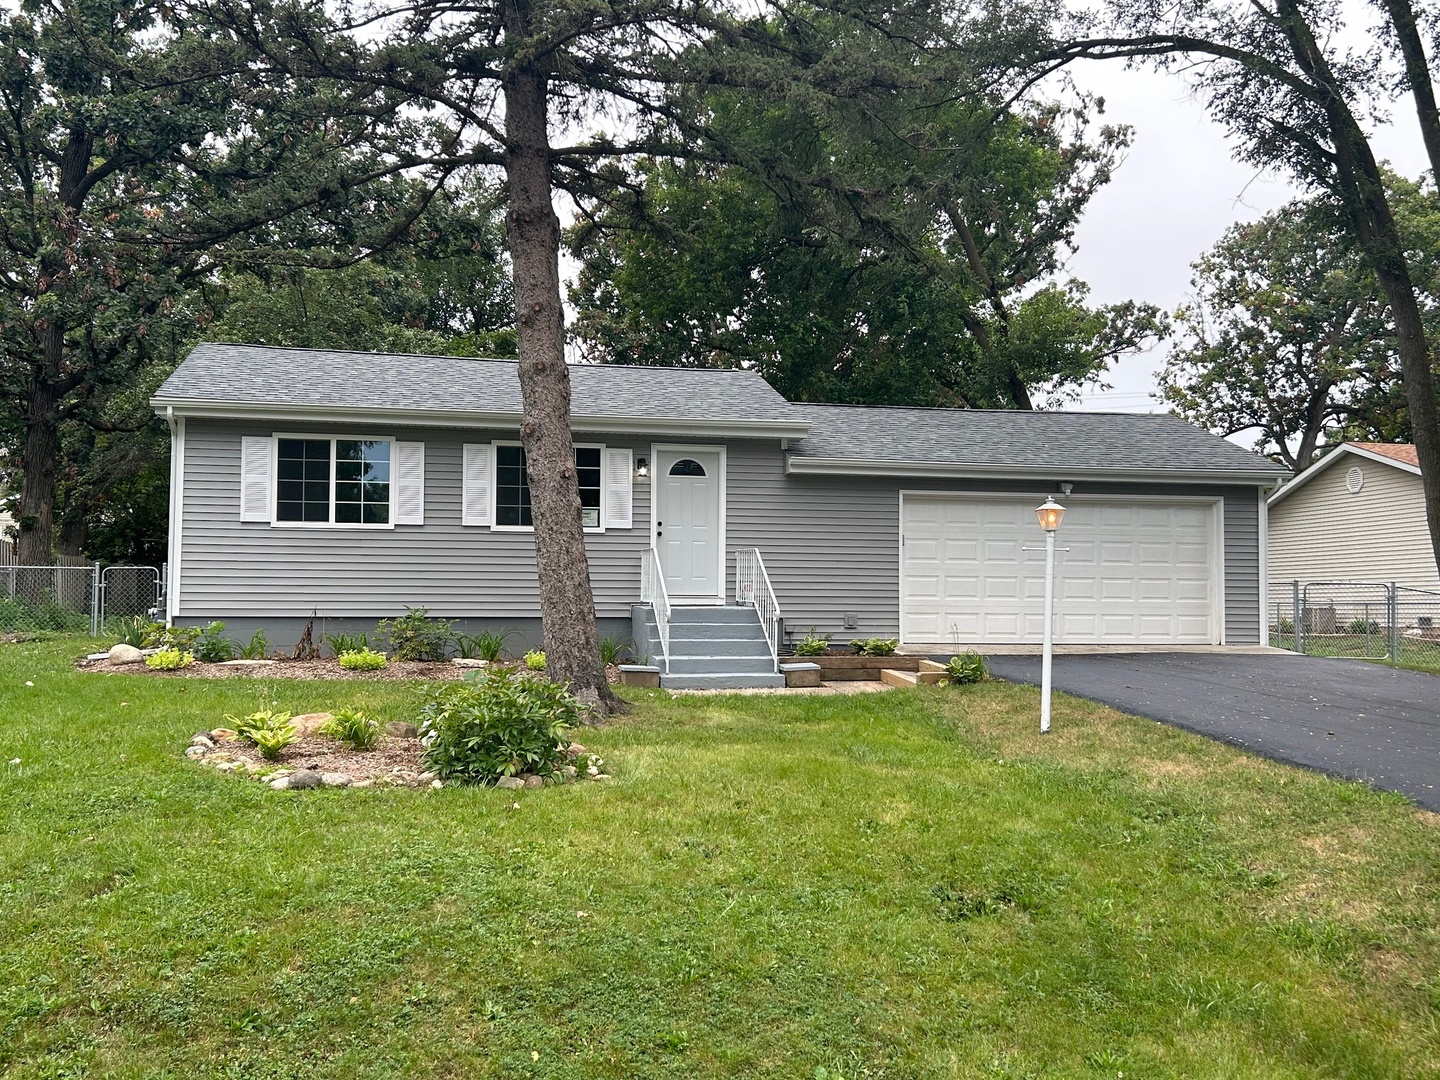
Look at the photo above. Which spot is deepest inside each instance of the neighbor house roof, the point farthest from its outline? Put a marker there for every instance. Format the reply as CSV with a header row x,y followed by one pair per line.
x,y
1401,456
263,382
1055,445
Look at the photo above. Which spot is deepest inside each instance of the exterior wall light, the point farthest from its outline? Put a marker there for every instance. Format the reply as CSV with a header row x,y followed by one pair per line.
x,y
642,468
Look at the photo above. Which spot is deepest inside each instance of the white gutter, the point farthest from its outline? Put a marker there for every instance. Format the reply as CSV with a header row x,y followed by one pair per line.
x,y
812,466
463,418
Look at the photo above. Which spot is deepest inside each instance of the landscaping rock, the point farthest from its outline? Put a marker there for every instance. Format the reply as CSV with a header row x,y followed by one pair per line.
x,y
463,662
367,783
601,776
570,770
204,740
194,752
306,724
222,733
125,654
575,749
534,781
426,777
509,783
297,781
592,770
247,663
437,784
228,766
398,729
336,779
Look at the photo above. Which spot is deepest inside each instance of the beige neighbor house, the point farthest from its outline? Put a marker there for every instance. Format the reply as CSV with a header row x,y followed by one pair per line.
x,y
1357,514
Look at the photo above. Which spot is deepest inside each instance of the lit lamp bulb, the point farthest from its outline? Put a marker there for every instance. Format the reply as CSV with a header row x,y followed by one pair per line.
x,y
1050,514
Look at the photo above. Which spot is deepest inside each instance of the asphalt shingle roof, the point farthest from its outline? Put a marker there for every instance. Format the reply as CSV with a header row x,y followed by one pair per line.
x,y
321,378
254,376
994,439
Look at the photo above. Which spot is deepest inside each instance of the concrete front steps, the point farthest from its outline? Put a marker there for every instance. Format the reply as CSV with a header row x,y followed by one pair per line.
x,y
711,648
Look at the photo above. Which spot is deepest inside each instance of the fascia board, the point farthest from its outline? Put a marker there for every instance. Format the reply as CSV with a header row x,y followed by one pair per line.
x,y
800,465
1332,458
457,418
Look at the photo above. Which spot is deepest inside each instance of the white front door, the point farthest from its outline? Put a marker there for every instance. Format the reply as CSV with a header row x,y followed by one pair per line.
x,y
687,523
1135,572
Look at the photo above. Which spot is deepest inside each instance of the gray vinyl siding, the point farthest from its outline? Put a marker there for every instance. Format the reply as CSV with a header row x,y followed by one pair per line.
x,y
242,571
830,544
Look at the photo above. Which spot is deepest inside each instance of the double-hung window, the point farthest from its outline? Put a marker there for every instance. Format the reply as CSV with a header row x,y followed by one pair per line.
x,y
512,487
333,481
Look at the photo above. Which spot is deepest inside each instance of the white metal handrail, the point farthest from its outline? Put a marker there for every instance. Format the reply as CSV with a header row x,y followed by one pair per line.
x,y
652,592
752,588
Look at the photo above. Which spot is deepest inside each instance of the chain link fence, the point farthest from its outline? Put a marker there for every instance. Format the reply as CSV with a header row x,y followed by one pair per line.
x,y
1359,619
77,599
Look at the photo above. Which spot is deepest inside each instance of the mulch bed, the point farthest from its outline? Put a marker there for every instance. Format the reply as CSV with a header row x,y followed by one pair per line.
x,y
325,668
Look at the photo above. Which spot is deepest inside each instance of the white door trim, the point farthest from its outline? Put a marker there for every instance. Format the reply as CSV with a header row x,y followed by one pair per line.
x,y
1217,559
712,448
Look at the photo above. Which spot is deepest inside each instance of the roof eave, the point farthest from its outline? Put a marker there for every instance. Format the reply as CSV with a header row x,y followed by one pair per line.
x,y
464,418
1330,459
816,466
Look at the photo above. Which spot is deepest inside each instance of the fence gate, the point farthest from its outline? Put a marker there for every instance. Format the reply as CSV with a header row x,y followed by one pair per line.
x,y
126,591
1359,619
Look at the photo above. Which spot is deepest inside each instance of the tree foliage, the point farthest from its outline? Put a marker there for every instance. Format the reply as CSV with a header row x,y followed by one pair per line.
x,y
1297,85
139,153
930,273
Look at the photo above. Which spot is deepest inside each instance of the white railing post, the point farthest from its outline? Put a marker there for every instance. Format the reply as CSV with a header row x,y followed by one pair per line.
x,y
653,592
753,588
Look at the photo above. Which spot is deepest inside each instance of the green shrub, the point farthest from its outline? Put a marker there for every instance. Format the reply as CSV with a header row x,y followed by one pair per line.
x,y
270,732
362,660
169,660
875,646
173,637
535,660
969,668
136,631
813,644
46,615
416,636
488,645
501,724
257,647
212,646
353,728
614,650
340,644
1363,626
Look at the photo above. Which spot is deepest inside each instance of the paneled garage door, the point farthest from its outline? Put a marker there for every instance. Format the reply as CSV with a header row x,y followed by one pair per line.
x,y
1136,572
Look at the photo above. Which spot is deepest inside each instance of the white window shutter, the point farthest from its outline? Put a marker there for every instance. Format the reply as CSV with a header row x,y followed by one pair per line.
x,y
475,485
256,479
409,483
619,498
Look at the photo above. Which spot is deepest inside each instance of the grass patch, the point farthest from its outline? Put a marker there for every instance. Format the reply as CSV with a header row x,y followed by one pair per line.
x,y
911,884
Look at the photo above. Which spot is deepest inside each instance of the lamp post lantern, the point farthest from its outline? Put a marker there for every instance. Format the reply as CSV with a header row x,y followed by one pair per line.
x,y
1050,514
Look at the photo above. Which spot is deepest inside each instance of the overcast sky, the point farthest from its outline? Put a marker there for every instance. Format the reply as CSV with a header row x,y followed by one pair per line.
x,y
1172,198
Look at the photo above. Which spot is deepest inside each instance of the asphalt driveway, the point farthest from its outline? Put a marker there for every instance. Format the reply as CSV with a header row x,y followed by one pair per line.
x,y
1344,717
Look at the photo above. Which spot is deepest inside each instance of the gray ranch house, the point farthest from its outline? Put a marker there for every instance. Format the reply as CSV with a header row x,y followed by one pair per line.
x,y
722,519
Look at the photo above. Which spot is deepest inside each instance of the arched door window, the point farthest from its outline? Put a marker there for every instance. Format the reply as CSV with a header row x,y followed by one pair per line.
x,y
687,467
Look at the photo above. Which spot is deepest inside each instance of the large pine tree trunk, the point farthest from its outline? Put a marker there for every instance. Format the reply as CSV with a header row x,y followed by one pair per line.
x,y
567,605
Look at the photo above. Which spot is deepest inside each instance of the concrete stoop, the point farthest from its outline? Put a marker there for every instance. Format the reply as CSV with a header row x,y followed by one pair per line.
x,y
711,648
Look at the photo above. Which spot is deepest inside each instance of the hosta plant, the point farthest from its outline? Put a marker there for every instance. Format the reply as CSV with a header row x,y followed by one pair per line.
x,y
269,731
535,660
968,668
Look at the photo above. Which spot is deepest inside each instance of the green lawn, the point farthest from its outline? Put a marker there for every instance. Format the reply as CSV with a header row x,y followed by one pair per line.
x,y
1416,654
910,884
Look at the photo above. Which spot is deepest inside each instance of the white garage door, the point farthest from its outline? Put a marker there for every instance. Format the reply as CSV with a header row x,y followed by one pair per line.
x,y
1136,572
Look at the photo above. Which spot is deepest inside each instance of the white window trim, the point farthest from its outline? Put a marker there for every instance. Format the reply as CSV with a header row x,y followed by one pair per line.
x,y
276,523
495,487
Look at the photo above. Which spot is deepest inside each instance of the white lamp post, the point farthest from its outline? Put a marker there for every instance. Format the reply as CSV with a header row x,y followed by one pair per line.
x,y
1050,514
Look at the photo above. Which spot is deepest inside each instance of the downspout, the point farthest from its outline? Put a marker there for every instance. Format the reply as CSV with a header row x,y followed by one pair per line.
x,y
172,572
